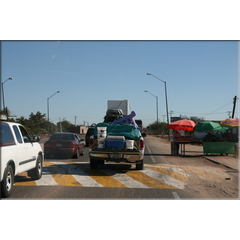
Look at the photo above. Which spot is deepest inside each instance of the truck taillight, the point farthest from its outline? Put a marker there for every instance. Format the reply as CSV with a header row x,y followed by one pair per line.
x,y
90,141
141,144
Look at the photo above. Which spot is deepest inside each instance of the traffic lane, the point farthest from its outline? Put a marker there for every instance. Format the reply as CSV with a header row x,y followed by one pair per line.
x,y
66,158
84,158
43,140
154,152
68,192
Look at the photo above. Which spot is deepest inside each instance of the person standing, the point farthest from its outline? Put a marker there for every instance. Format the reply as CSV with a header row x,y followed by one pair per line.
x,y
176,136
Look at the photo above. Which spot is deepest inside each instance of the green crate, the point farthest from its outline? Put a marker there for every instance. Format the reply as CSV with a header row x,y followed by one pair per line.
x,y
219,147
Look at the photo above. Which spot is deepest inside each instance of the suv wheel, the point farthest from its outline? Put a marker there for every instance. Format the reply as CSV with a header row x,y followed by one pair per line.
x,y
7,182
36,173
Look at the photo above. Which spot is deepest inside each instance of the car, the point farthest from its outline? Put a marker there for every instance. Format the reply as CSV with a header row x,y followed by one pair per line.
x,y
64,143
89,133
19,153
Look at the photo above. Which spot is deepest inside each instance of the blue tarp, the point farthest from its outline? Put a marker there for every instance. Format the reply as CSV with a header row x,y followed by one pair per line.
x,y
128,131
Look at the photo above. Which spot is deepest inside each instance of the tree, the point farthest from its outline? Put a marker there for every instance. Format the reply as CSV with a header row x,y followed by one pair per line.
x,y
22,120
65,125
52,128
37,118
39,123
162,126
36,124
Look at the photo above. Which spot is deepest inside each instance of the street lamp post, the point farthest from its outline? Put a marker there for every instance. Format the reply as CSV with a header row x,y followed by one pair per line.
x,y
157,108
166,98
48,108
3,93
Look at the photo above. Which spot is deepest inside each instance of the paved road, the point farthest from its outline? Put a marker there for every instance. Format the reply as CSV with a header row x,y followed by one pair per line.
x,y
163,177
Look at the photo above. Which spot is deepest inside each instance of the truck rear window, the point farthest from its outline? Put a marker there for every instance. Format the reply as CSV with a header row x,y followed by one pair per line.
x,y
6,136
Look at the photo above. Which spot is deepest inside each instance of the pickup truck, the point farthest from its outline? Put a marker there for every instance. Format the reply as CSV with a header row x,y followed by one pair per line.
x,y
117,143
19,153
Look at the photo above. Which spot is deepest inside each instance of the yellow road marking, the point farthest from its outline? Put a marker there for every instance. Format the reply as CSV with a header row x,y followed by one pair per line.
x,y
24,180
170,173
202,173
61,175
100,177
148,181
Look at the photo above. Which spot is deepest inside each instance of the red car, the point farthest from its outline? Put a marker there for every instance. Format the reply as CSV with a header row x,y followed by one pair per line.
x,y
64,143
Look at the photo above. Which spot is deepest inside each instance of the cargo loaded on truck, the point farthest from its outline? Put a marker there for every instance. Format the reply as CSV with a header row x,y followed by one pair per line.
x,y
118,141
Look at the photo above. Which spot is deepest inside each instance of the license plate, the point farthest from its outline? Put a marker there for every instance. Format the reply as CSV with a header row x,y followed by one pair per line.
x,y
59,145
115,156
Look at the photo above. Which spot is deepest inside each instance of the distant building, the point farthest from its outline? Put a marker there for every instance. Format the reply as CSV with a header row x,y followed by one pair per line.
x,y
79,130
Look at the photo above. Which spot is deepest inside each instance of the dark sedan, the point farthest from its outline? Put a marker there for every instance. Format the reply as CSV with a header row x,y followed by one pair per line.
x,y
64,143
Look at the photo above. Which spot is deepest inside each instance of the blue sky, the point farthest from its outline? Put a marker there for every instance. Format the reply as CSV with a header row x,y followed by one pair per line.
x,y
201,76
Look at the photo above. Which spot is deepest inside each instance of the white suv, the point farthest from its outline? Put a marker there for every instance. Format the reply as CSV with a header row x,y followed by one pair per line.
x,y
19,153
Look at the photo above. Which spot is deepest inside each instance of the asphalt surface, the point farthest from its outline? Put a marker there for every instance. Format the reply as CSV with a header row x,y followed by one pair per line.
x,y
158,158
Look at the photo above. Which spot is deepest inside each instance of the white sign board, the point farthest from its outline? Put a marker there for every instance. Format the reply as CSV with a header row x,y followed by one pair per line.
x,y
119,104
3,117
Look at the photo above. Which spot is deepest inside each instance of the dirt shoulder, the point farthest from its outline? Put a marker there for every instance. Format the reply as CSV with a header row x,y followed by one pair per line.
x,y
206,179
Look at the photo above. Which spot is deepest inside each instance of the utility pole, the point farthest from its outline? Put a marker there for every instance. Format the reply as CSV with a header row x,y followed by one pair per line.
x,y
75,121
163,118
234,104
7,113
171,115
229,114
60,124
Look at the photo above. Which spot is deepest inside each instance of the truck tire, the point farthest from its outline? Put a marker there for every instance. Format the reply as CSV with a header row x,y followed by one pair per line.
x,y
36,173
139,166
7,182
101,162
93,164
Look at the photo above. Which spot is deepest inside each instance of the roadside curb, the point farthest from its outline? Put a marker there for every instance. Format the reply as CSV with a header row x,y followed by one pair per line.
x,y
229,162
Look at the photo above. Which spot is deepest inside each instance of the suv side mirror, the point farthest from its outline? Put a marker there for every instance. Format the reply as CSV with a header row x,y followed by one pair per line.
x,y
36,138
144,134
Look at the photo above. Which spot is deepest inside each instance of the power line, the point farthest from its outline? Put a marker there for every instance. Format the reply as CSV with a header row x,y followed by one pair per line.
x,y
198,113
213,112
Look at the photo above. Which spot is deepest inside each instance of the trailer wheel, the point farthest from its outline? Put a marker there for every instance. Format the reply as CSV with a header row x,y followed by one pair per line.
x,y
93,163
139,166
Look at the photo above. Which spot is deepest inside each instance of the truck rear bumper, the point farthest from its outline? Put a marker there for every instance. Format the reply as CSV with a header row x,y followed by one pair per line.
x,y
117,156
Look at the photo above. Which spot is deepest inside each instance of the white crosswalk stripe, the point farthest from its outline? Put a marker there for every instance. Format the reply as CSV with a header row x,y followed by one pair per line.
x,y
80,176
164,178
176,169
109,177
46,179
124,179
